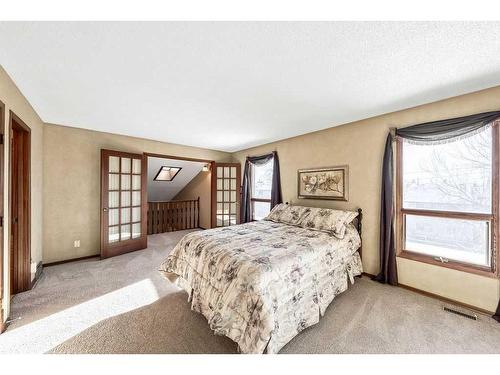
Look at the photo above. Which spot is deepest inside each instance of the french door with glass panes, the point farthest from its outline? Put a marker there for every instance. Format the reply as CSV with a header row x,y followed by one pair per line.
x,y
123,203
226,186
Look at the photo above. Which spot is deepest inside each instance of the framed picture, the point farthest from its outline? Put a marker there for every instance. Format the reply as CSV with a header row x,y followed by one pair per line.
x,y
324,183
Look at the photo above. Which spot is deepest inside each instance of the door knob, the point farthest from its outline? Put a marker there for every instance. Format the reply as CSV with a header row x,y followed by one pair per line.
x,y
105,209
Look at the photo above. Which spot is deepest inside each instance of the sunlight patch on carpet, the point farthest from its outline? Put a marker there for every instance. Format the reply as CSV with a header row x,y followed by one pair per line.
x,y
46,333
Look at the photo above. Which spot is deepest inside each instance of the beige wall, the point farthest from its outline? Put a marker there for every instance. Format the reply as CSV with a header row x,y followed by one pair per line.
x,y
199,187
361,145
71,168
16,102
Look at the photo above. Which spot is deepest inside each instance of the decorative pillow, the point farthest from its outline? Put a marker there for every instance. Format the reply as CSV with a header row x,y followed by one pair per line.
x,y
328,220
288,214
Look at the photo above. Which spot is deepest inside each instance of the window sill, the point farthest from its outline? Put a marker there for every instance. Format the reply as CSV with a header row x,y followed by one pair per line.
x,y
458,266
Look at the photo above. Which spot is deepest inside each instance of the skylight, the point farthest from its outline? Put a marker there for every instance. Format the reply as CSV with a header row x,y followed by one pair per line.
x,y
167,173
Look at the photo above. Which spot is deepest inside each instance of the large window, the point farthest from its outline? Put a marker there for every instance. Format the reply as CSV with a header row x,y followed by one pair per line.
x,y
262,177
447,201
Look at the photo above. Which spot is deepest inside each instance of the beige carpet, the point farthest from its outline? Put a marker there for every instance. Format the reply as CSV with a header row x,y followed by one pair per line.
x,y
122,305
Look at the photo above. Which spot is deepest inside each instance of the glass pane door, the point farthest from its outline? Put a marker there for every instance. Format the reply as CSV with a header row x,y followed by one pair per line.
x,y
227,194
123,200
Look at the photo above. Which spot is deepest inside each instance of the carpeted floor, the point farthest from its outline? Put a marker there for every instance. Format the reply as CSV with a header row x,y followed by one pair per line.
x,y
123,305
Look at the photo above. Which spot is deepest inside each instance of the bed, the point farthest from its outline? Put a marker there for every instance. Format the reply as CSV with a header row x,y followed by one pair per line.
x,y
261,283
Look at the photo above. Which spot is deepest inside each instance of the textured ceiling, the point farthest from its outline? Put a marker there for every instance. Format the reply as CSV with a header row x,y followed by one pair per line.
x,y
231,85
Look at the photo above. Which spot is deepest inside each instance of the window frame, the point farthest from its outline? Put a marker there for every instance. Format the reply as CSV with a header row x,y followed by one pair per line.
x,y
161,169
252,199
488,271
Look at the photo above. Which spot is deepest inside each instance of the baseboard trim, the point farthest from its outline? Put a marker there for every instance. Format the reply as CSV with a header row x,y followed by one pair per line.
x,y
38,274
71,260
440,298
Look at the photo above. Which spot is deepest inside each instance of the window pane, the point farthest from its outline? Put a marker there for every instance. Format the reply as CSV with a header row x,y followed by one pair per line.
x,y
125,165
454,239
136,198
262,178
114,234
114,199
261,210
114,181
114,164
136,165
113,216
136,230
125,199
454,176
125,229
136,214
136,182
125,182
125,215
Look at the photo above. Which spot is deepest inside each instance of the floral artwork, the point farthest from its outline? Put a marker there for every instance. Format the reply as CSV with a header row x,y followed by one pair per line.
x,y
323,183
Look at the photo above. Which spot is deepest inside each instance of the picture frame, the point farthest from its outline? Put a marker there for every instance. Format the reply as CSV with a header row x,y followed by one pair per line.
x,y
323,183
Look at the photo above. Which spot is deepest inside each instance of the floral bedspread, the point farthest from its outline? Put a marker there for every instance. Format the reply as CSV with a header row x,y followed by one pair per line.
x,y
261,283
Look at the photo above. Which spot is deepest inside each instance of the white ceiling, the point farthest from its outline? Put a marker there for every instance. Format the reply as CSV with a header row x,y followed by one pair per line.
x,y
231,85
167,190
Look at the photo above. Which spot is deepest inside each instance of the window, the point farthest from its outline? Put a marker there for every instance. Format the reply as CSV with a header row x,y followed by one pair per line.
x,y
446,201
167,173
262,180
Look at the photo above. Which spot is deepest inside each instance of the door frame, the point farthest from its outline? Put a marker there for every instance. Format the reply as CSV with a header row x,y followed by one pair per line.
x,y
23,282
207,161
2,220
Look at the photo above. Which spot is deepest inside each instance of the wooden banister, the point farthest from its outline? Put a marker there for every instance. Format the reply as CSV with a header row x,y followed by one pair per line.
x,y
173,215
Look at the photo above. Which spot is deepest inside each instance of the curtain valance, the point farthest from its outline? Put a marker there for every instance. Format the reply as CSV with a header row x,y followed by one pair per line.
x,y
448,130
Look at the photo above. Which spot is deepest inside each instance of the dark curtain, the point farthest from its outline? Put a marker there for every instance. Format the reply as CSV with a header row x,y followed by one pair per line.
x,y
429,132
497,314
388,270
276,197
246,188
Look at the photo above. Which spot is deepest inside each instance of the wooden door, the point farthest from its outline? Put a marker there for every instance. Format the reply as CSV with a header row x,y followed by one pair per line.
x,y
20,215
123,203
226,196
2,179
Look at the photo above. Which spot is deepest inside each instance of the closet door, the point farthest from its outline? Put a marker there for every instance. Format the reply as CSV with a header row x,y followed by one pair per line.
x,y
123,203
226,186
